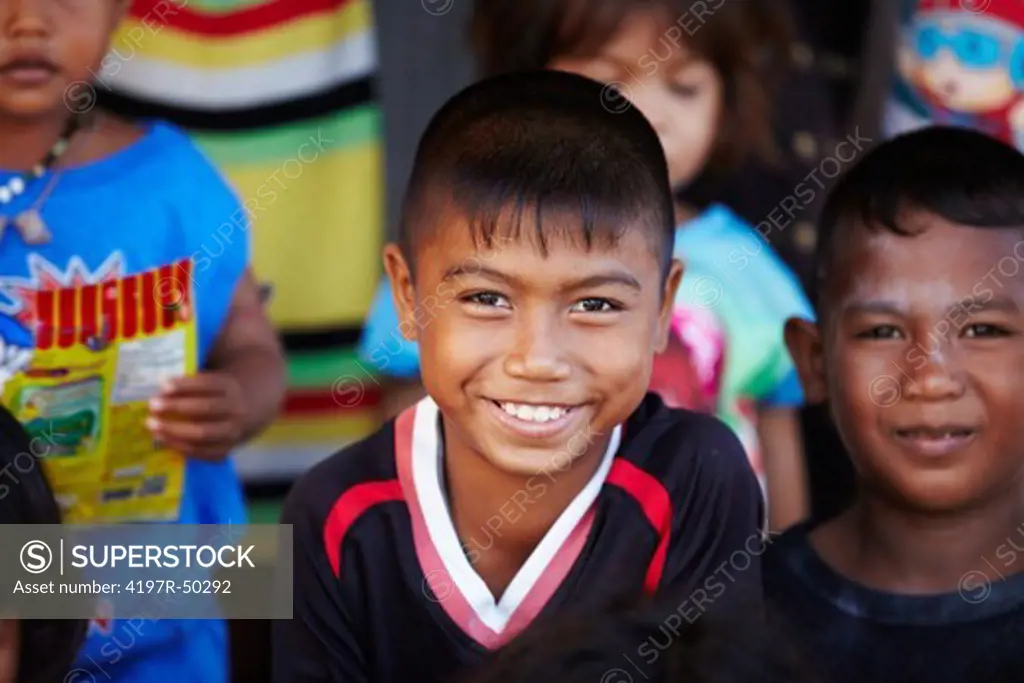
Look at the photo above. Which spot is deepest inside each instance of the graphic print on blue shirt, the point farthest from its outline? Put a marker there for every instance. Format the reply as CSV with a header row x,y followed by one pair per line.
x,y
157,201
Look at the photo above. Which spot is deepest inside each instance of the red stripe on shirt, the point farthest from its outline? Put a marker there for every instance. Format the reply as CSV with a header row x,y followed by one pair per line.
x,y
349,507
657,507
162,13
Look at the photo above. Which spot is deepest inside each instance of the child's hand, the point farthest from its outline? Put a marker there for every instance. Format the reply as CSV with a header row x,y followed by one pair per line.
x,y
201,416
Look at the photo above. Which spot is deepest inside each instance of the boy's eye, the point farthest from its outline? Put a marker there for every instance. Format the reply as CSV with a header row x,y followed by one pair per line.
x,y
488,299
881,332
984,330
595,305
684,89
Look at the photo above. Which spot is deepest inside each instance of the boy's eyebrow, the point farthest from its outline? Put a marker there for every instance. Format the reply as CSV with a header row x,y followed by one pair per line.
x,y
970,305
610,277
872,308
1003,304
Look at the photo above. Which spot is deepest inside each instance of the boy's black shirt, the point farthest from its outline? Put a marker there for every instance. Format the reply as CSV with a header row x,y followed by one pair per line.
x,y
849,633
679,512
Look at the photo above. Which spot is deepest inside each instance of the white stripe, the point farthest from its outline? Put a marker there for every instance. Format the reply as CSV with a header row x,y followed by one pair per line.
x,y
427,480
262,84
257,463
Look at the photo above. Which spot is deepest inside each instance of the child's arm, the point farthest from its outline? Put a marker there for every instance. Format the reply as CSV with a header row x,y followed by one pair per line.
x,y
238,395
713,562
782,450
781,442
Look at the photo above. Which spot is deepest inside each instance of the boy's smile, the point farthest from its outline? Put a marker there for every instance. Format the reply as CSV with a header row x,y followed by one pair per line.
x,y
940,315
533,356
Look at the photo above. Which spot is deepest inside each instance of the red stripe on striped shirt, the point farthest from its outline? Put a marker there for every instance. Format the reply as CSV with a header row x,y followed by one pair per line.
x,y
330,400
269,14
657,507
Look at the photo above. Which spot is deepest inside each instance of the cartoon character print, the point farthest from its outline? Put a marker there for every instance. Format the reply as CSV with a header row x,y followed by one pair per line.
x,y
965,65
688,374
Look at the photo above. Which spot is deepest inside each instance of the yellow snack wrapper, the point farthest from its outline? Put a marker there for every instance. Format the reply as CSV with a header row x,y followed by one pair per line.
x,y
101,352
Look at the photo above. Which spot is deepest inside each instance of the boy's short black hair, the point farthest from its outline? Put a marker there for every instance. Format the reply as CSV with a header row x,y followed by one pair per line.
x,y
645,644
746,41
556,145
48,647
960,175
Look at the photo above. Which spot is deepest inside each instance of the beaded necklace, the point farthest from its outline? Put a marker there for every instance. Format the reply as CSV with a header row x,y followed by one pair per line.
x,y
30,222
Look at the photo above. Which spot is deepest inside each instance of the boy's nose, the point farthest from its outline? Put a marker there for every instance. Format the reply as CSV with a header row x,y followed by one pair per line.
x,y
23,18
934,379
538,356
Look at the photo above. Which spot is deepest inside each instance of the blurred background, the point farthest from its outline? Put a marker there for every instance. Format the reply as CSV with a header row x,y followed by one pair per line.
x,y
312,109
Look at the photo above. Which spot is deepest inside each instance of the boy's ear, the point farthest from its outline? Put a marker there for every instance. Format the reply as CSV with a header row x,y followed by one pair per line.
x,y
803,339
668,299
402,290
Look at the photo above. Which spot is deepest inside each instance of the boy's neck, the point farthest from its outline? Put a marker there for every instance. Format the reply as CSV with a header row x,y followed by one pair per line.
x,y
25,141
101,136
501,517
900,550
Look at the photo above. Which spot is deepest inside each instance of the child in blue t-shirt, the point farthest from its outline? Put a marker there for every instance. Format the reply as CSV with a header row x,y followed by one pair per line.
x,y
85,197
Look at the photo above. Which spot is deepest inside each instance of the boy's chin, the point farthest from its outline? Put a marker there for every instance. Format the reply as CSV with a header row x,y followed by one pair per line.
x,y
940,494
521,461
33,104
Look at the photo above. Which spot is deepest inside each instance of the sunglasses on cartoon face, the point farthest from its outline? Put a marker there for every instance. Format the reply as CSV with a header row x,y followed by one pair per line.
x,y
973,48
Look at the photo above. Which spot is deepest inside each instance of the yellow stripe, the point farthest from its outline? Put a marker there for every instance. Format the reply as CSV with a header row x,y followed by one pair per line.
x,y
333,429
310,34
316,234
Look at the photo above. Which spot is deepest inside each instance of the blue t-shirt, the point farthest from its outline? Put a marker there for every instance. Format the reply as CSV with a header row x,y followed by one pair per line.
x,y
155,202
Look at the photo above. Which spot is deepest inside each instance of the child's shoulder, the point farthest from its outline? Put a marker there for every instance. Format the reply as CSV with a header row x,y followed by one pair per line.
x,y
721,245
684,449
183,154
152,155
363,471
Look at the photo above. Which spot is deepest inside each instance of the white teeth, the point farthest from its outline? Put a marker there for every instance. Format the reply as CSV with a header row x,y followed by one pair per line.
x,y
534,413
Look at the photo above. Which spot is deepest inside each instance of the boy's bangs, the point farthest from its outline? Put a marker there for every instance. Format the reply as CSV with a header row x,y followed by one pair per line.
x,y
497,215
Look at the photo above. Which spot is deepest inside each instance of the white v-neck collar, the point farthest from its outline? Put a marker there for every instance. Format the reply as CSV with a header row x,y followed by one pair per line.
x,y
427,479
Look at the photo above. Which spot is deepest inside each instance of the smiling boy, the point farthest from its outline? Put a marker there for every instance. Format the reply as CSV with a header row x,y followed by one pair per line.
x,y
919,354
538,476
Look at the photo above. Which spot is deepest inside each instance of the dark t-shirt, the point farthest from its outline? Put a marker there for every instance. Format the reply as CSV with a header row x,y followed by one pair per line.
x,y
385,589
853,634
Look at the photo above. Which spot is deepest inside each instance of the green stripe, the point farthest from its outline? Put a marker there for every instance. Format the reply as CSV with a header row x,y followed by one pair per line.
x,y
302,140
265,511
223,6
321,369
